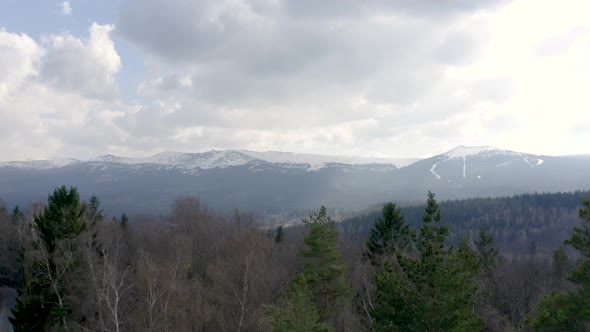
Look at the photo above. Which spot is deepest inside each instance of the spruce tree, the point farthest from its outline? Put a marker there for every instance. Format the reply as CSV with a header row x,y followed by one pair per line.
x,y
324,269
50,264
460,286
570,311
431,291
17,215
280,234
561,263
124,221
295,310
487,252
387,233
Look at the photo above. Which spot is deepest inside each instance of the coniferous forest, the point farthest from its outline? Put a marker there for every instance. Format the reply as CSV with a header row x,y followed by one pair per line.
x,y
503,264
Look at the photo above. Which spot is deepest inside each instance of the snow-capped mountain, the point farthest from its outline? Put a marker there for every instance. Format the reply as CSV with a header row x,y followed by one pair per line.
x,y
486,155
283,181
218,159
40,163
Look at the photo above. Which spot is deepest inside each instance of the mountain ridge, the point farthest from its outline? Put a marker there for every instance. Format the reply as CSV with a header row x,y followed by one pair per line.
x,y
239,157
282,181
217,159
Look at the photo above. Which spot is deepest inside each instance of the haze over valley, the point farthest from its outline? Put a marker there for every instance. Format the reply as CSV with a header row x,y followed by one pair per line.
x,y
273,182
294,165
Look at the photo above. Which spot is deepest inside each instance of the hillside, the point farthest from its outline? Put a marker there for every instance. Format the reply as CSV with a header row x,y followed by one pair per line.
x,y
520,224
282,181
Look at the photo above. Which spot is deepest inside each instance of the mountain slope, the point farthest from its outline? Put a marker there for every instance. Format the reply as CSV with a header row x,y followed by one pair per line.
x,y
282,181
217,159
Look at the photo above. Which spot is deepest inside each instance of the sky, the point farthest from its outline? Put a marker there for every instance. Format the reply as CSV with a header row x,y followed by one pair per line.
x,y
381,78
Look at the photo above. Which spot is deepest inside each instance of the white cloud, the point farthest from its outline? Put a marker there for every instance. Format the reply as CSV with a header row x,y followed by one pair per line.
x,y
380,78
19,59
550,94
269,67
83,66
66,9
52,94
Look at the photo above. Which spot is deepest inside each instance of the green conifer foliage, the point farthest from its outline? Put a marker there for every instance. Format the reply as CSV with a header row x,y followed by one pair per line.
x,y
295,310
561,263
17,215
280,234
433,290
387,233
324,269
124,221
487,252
50,264
570,311
62,218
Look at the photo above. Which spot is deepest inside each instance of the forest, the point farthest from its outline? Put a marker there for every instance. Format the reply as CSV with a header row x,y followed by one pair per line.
x,y
536,223
503,264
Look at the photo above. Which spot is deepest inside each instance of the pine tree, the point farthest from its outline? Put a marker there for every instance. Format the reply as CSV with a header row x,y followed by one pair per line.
x,y
388,233
50,264
434,291
570,311
324,269
295,310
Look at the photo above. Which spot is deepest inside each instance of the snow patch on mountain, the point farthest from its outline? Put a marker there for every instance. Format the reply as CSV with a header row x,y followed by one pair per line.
x,y
480,151
463,152
464,167
40,164
433,172
320,161
537,162
219,159
206,160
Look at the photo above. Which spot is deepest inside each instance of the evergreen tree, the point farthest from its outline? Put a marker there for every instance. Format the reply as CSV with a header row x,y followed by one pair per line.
x,y
295,310
387,233
561,264
62,218
50,264
461,272
324,269
280,234
17,215
124,221
94,210
434,291
3,210
570,311
487,252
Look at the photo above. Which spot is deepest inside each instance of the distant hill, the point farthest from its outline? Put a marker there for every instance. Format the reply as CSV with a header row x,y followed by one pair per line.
x,y
283,181
520,224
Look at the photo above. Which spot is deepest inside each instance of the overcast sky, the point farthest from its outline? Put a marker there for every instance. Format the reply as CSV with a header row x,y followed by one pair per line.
x,y
387,78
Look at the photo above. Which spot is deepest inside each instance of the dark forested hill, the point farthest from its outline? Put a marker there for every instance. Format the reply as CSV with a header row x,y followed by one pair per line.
x,y
521,224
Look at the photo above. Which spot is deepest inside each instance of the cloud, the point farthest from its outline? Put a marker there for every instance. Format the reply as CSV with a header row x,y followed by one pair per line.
x,y
66,9
381,78
19,59
561,43
83,66
56,94
292,68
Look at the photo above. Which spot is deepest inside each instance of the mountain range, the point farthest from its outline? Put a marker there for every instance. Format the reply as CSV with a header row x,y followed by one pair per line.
x,y
282,181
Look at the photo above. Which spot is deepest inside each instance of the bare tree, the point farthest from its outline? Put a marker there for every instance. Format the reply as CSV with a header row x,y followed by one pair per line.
x,y
109,280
